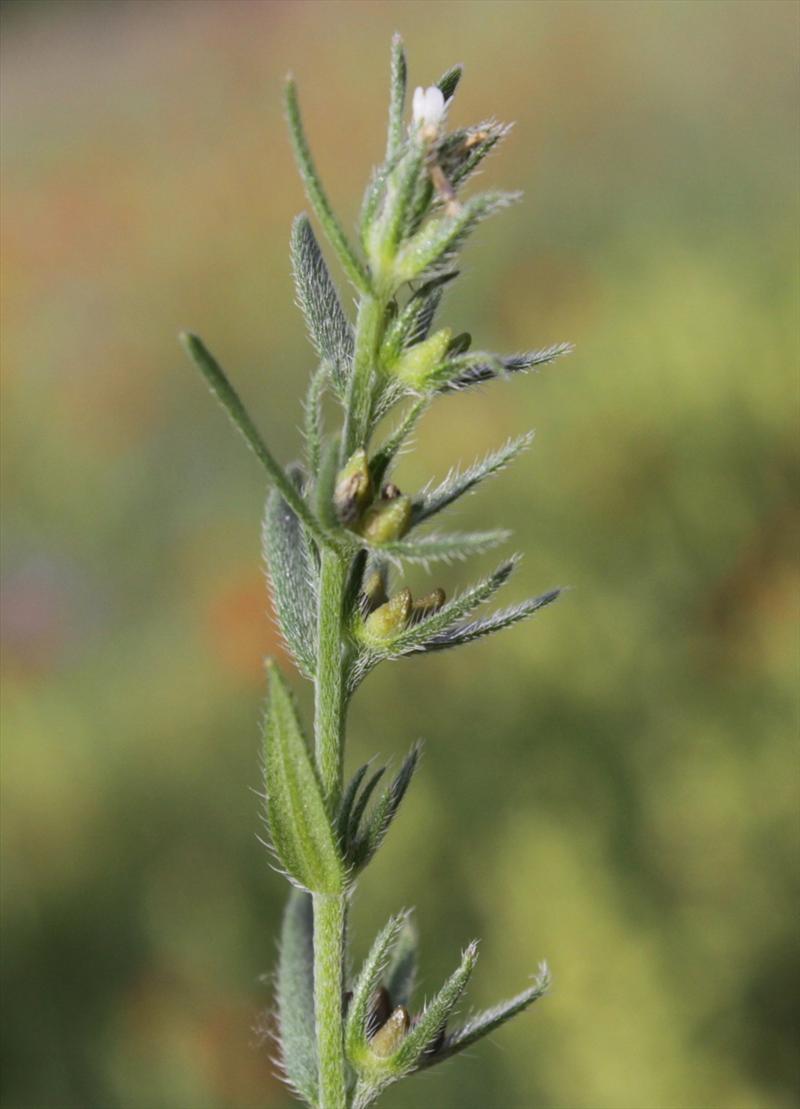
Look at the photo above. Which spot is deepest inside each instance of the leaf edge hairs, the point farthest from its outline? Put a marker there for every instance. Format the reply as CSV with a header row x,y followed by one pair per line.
x,y
337,533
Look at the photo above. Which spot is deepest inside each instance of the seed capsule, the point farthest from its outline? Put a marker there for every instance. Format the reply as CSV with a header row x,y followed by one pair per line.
x,y
386,520
353,489
380,1009
389,1037
426,606
415,365
374,590
389,620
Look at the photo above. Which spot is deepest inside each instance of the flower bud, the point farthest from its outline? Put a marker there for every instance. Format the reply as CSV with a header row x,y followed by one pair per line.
x,y
388,1038
416,364
389,620
386,520
353,489
426,606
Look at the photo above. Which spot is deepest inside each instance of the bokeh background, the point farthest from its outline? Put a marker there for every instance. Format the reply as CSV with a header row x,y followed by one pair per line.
x,y
612,786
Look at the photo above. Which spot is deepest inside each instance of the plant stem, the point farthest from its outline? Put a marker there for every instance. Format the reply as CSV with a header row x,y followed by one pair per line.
x,y
329,911
329,919
370,326
329,686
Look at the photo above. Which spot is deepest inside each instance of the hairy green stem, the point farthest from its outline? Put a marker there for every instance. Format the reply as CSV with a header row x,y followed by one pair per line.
x,y
329,911
329,921
370,326
329,701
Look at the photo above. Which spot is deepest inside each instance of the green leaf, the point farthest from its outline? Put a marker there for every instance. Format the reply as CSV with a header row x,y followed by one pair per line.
x,y
294,995
294,578
377,823
328,328
461,152
397,98
433,248
302,836
401,971
317,195
444,548
477,371
457,483
476,629
448,82
481,1024
229,398
369,978
313,423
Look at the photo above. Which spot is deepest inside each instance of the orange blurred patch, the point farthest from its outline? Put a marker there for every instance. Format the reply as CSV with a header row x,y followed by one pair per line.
x,y
242,629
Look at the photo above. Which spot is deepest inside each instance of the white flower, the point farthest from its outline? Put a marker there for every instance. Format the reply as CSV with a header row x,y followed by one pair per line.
x,y
428,107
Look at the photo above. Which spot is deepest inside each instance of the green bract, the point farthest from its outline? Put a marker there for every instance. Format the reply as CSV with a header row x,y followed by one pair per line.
x,y
337,534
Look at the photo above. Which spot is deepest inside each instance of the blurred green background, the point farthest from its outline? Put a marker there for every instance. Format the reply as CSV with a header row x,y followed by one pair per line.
x,y
612,786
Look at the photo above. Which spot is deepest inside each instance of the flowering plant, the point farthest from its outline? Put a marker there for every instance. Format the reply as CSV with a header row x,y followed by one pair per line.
x,y
337,533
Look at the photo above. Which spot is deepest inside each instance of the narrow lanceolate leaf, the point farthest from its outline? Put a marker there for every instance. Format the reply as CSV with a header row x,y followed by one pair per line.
x,y
377,823
481,1024
459,482
434,1016
346,803
328,327
302,836
294,995
293,575
368,980
229,398
433,248
313,423
448,82
476,629
317,195
444,548
479,371
384,457
401,972
417,637
397,98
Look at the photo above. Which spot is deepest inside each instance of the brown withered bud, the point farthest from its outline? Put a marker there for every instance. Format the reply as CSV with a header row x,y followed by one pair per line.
x,y
353,490
380,1009
390,491
389,1037
427,605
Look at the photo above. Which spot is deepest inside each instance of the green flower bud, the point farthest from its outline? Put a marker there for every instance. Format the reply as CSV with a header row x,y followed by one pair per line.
x,y
386,520
416,364
353,489
388,1038
389,620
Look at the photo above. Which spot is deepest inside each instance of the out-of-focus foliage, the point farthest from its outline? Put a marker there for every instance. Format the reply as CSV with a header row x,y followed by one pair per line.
x,y
643,830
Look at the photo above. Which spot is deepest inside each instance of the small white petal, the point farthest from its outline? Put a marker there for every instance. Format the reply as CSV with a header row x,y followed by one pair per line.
x,y
418,104
434,105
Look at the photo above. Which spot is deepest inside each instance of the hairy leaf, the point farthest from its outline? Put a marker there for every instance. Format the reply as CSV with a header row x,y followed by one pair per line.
x,y
377,823
459,482
294,994
293,575
401,971
448,82
479,371
444,548
434,246
465,633
481,1024
302,836
369,978
328,328
351,264
397,98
